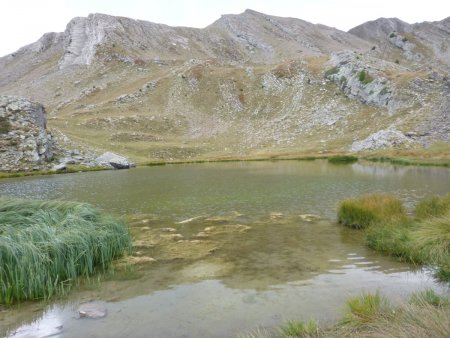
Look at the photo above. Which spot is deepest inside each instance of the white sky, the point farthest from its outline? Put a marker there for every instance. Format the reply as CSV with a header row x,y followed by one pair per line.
x,y
24,21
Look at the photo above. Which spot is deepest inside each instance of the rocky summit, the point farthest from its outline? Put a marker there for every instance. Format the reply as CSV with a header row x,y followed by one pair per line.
x,y
248,85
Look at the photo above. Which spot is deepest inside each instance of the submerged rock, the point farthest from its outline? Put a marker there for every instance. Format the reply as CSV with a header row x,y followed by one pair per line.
x,y
309,217
140,260
93,310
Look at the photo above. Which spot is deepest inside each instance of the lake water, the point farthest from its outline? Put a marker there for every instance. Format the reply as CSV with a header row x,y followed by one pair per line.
x,y
233,245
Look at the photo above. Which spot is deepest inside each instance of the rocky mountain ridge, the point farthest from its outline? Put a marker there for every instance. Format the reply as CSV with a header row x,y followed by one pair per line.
x,y
247,85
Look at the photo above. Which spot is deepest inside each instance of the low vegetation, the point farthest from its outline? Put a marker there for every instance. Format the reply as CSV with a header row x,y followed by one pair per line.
x,y
342,159
331,71
75,168
411,161
46,245
427,314
422,239
5,126
368,210
300,329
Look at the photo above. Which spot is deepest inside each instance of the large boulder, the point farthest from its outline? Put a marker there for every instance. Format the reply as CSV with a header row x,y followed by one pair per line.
x,y
110,159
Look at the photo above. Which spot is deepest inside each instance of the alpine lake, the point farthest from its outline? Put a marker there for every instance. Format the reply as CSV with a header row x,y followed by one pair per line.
x,y
223,248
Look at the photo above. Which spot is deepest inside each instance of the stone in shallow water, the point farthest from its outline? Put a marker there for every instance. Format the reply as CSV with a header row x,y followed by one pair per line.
x,y
92,310
309,217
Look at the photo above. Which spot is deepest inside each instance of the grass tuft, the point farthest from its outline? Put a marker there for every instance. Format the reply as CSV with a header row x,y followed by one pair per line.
x,y
300,329
46,245
433,207
364,308
370,315
364,211
423,240
429,297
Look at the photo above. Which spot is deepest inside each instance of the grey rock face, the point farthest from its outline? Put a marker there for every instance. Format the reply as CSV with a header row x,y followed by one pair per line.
x,y
387,138
358,81
25,143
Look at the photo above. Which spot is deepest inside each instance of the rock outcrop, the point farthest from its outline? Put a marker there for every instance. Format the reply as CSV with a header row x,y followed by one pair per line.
x,y
359,80
25,144
387,138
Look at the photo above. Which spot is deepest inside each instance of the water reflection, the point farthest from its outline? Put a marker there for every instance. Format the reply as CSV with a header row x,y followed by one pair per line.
x,y
231,245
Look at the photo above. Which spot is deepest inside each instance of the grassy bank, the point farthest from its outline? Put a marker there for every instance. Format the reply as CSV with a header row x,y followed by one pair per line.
x,y
46,245
421,239
411,161
69,169
371,315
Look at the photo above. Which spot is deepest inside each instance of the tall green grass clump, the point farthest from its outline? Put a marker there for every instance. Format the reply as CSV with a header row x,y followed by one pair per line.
x,y
342,159
434,206
364,211
430,297
422,239
364,308
46,245
300,329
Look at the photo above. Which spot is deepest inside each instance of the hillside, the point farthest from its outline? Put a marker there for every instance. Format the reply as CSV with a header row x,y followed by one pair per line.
x,y
247,85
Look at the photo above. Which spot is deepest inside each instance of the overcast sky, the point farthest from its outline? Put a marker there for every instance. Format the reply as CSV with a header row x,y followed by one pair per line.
x,y
24,21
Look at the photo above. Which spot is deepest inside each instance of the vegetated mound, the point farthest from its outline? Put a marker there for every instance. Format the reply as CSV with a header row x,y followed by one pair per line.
x,y
46,245
424,239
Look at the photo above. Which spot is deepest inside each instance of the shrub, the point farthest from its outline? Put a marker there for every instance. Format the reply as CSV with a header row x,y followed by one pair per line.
x,y
392,35
365,77
370,209
46,245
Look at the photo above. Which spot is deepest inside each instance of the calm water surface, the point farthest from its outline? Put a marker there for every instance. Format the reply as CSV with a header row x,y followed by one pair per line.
x,y
285,266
